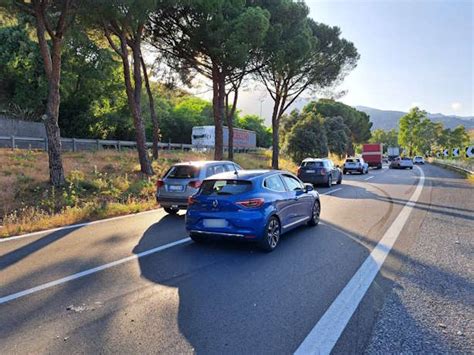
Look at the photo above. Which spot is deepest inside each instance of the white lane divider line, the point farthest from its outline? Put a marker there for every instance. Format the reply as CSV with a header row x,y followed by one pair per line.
x,y
331,192
325,334
72,226
94,270
368,178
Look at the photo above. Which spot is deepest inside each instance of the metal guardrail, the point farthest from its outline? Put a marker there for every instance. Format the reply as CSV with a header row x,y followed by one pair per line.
x,y
453,167
76,144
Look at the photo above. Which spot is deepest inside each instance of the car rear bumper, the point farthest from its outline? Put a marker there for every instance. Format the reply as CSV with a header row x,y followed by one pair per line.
x,y
349,170
175,202
316,179
247,225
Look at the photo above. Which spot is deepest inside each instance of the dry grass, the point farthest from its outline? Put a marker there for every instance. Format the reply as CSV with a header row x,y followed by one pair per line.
x,y
99,185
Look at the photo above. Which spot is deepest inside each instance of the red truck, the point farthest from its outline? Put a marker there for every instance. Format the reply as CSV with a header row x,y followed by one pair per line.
x,y
372,154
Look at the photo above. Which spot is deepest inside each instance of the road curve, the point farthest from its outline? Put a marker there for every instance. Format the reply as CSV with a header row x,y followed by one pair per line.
x,y
137,285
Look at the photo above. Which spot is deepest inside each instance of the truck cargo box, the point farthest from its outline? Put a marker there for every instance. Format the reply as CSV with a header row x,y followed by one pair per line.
x,y
372,153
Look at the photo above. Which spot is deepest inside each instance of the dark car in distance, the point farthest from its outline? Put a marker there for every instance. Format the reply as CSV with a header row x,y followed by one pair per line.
x,y
252,205
319,172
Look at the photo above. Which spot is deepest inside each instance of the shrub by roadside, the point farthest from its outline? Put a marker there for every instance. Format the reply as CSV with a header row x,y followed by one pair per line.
x,y
99,185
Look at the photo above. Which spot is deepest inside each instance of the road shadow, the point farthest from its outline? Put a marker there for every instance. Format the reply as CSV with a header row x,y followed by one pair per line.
x,y
14,256
233,298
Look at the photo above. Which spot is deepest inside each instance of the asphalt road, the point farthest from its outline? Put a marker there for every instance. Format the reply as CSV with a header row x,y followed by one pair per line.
x,y
119,286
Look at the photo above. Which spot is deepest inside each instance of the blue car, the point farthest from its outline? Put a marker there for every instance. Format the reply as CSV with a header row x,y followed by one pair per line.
x,y
254,205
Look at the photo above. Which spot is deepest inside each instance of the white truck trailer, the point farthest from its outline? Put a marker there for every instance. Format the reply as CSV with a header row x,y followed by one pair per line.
x,y
393,152
204,137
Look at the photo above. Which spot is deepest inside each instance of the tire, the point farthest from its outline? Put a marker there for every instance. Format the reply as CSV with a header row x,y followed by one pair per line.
x,y
198,238
411,168
329,184
339,180
344,172
170,210
272,234
315,213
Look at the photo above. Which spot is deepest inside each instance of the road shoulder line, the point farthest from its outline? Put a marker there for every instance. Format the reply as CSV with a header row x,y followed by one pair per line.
x,y
72,226
327,331
94,270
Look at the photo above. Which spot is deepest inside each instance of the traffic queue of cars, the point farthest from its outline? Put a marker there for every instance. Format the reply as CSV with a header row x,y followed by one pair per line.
x,y
223,200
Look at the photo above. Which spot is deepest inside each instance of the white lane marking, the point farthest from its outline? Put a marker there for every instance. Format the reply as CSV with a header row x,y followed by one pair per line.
x,y
330,192
71,226
325,334
38,288
370,177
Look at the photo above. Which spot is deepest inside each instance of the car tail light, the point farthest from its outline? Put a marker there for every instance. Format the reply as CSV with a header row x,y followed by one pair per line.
x,y
299,171
195,184
159,183
191,200
252,203
323,171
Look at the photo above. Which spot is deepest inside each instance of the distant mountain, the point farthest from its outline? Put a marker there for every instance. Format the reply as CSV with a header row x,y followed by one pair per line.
x,y
389,119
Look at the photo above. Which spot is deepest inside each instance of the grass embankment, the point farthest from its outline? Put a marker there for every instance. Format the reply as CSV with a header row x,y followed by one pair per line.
x,y
99,185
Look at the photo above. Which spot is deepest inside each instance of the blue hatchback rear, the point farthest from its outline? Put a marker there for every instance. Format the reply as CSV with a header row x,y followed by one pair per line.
x,y
255,205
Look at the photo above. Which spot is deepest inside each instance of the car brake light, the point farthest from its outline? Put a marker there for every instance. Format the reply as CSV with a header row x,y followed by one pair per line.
x,y
323,172
191,200
195,184
160,183
252,203
299,171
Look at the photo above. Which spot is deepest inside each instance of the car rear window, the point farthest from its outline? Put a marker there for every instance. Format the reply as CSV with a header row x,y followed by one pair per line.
x,y
312,164
183,172
406,158
225,187
352,160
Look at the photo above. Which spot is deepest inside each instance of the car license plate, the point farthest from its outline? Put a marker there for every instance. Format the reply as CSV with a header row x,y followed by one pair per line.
x,y
176,188
310,171
215,223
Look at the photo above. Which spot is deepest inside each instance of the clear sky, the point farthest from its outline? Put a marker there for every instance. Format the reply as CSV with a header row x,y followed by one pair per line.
x,y
415,52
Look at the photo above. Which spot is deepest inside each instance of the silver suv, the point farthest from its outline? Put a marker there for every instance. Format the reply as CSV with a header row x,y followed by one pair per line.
x,y
184,179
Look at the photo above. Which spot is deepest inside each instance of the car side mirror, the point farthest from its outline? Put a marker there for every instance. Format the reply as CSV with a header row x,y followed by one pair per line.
x,y
308,187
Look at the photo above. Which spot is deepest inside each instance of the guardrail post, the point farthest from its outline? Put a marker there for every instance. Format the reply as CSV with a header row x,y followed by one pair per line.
x,y
119,146
97,144
169,145
12,138
74,148
45,144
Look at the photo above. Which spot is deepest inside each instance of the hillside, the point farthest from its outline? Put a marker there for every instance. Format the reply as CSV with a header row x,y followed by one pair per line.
x,y
389,119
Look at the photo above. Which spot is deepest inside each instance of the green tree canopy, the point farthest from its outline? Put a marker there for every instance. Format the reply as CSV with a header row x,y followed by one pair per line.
x,y
307,138
216,39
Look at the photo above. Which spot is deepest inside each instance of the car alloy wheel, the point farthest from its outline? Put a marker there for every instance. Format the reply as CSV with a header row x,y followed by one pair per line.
x,y
272,235
315,213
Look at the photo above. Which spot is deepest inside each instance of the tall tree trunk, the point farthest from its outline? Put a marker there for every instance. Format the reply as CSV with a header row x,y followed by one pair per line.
x,y
134,99
230,121
154,119
56,170
218,110
275,130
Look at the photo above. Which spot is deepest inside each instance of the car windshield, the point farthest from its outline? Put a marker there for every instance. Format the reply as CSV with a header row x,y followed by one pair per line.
x,y
225,187
312,164
183,172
